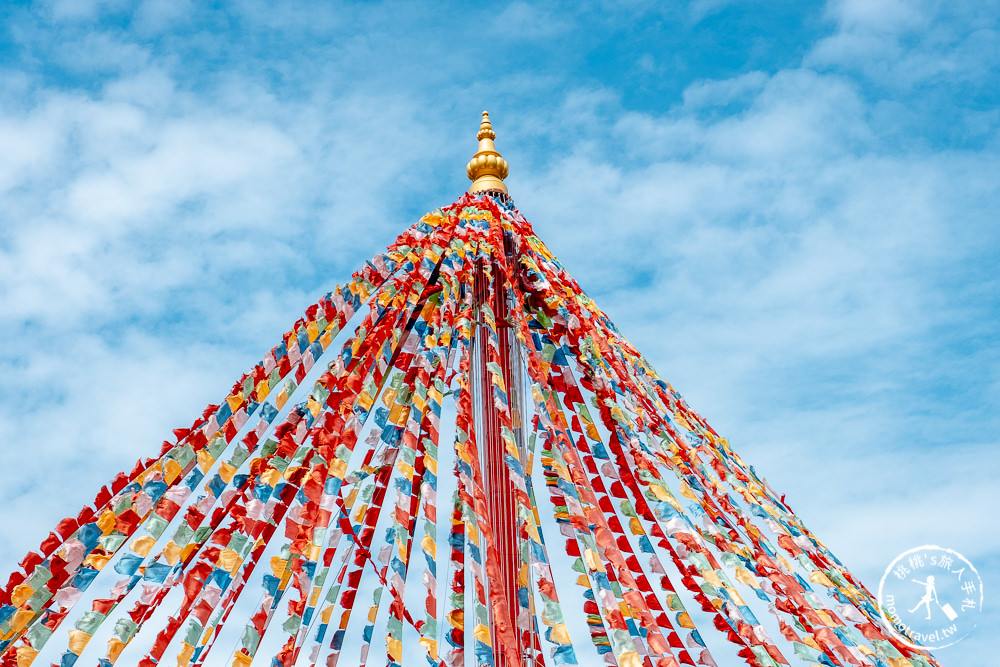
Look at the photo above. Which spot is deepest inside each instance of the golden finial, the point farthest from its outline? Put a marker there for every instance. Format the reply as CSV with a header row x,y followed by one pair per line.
x,y
487,168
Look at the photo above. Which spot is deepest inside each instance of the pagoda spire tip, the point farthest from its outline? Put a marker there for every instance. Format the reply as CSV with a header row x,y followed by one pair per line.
x,y
487,168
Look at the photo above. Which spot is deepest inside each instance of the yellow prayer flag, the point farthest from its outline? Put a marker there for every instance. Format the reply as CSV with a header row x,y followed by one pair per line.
x,y
398,414
430,646
226,472
235,401
592,560
817,577
262,390
482,633
188,550
115,648
560,634
735,596
205,459
229,560
314,406
359,513
97,560
142,545
338,468
78,641
20,619
25,656
744,577
278,566
106,522
21,593
184,657
405,469
271,476
712,578
629,659
171,470
659,492
388,397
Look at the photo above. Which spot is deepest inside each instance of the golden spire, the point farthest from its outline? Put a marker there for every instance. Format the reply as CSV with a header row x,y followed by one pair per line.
x,y
487,168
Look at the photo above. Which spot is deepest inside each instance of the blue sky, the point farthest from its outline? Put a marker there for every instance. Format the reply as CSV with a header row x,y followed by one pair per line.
x,y
790,207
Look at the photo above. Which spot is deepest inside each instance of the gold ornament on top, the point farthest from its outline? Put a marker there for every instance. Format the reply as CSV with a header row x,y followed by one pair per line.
x,y
487,168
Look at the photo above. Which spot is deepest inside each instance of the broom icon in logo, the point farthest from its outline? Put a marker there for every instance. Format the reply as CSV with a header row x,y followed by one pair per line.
x,y
931,594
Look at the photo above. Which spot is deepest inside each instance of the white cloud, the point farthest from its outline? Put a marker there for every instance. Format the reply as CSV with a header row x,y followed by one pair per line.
x,y
188,158
30,142
96,179
80,10
888,16
101,52
904,43
699,10
716,93
521,20
157,15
